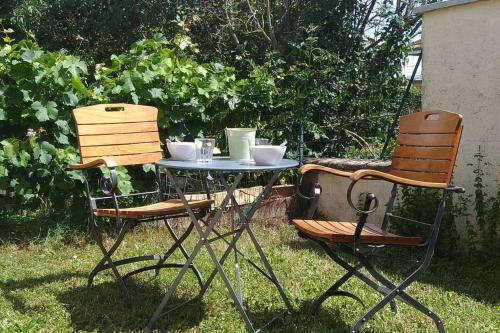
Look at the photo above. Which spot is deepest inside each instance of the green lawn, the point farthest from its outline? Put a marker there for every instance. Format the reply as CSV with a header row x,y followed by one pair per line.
x,y
43,289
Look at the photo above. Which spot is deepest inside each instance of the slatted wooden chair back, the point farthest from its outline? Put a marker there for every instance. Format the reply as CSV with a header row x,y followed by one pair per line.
x,y
126,133
427,145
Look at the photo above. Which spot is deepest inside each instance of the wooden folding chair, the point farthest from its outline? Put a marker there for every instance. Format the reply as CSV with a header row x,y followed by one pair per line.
x,y
424,157
110,135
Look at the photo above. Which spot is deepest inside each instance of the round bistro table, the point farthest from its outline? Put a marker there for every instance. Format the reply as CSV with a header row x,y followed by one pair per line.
x,y
224,166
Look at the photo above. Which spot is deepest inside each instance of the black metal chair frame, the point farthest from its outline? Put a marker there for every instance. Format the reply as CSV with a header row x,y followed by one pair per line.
x,y
108,185
363,254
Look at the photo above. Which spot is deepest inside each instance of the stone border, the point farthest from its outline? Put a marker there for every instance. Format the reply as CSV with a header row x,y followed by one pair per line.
x,y
349,164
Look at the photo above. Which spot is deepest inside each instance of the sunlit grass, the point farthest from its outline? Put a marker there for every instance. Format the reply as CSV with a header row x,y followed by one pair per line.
x,y
43,289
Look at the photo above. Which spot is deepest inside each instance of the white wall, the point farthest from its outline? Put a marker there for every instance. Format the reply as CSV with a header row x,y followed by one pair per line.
x,y
461,73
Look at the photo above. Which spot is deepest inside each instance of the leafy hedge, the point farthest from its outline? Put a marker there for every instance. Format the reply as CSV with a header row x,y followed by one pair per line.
x,y
38,90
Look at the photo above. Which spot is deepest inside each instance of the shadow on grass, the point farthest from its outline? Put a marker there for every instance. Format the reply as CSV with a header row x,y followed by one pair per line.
x,y
10,286
476,277
37,227
103,308
301,320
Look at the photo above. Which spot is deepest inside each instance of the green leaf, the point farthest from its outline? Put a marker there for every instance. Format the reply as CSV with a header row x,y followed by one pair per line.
x,y
135,98
74,65
62,139
52,109
4,172
24,158
42,173
203,92
31,55
3,114
63,126
116,90
45,158
156,93
128,85
48,148
26,95
70,98
41,111
77,83
148,167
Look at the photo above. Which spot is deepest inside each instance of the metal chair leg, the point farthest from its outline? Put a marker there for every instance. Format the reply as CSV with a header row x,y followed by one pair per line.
x,y
333,291
357,326
178,245
398,291
354,269
107,255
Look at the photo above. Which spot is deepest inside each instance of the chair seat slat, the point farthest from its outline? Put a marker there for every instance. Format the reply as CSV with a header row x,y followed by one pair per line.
x,y
343,232
168,207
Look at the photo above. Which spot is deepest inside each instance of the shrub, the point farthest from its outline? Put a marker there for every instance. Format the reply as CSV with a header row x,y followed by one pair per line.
x,y
38,90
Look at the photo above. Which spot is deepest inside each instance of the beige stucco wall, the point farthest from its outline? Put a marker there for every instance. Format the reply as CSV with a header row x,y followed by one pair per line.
x,y
461,73
333,200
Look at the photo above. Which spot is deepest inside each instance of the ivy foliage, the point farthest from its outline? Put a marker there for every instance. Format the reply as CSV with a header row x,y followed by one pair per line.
x,y
38,90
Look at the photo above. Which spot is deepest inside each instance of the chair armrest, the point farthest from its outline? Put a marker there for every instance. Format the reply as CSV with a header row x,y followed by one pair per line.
x,y
109,184
107,162
374,174
314,167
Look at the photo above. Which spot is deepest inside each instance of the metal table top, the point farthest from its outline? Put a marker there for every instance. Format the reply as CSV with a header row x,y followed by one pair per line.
x,y
225,164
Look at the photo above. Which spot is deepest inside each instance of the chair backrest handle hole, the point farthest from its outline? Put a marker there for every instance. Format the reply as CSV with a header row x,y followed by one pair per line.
x,y
114,108
432,116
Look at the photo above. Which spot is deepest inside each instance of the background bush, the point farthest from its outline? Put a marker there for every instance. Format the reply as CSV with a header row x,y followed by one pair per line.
x,y
38,90
334,68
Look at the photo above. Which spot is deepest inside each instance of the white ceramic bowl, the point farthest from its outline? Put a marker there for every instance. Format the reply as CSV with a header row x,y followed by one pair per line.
x,y
267,154
182,151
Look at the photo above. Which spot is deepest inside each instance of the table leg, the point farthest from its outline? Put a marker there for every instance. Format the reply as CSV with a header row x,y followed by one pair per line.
x,y
236,262
255,242
203,238
245,225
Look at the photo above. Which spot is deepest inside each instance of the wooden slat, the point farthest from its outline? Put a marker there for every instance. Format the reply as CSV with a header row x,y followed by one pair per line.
x,y
112,150
454,153
403,180
420,165
426,140
97,114
130,159
430,122
437,153
149,126
168,207
343,232
421,176
118,139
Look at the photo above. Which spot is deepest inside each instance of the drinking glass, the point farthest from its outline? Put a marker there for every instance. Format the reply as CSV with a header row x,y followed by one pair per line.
x,y
261,141
204,149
